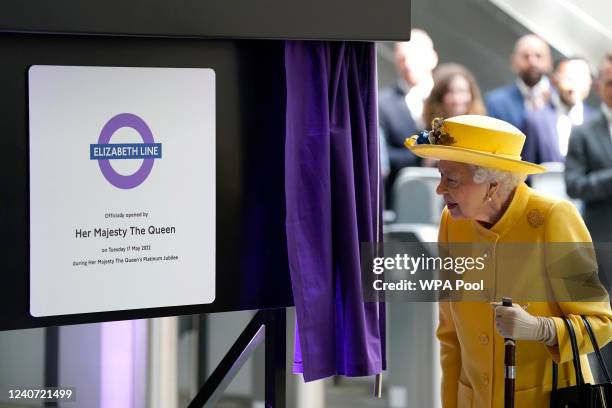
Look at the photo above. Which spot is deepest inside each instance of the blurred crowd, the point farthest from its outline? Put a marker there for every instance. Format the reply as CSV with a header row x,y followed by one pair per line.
x,y
546,101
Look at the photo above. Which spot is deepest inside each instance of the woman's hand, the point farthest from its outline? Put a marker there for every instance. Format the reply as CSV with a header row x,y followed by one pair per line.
x,y
516,323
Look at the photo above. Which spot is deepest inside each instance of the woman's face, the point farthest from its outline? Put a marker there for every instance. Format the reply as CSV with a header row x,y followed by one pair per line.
x,y
456,101
464,198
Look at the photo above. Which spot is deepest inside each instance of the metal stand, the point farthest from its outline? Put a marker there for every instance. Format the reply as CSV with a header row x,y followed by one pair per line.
x,y
51,360
268,325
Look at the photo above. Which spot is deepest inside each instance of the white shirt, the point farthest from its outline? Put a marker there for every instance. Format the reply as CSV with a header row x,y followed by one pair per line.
x,y
538,92
415,100
575,113
567,118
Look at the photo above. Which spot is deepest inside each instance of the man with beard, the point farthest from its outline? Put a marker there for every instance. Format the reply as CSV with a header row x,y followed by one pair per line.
x,y
530,61
548,129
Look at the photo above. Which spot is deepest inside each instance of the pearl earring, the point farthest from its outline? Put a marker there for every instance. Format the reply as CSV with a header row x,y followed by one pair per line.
x,y
489,199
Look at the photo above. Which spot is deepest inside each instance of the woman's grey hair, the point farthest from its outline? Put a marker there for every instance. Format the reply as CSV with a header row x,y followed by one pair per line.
x,y
507,181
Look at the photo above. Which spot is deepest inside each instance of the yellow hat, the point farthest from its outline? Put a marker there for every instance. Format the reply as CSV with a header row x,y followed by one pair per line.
x,y
474,139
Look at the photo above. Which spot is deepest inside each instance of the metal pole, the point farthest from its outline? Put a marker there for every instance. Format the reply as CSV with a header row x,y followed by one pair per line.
x,y
267,326
276,352
51,360
378,386
241,350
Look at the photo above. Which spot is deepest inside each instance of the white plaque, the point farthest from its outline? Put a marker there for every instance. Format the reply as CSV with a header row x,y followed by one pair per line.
x,y
122,188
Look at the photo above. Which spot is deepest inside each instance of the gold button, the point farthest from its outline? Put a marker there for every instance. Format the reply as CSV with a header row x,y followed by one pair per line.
x,y
484,339
485,379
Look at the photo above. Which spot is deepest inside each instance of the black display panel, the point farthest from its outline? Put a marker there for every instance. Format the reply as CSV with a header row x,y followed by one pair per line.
x,y
252,268
381,20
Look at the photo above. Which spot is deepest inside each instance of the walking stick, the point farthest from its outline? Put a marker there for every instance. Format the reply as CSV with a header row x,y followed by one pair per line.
x,y
509,365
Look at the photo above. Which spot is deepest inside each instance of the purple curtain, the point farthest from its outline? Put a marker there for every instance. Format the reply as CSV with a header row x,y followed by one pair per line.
x,y
332,188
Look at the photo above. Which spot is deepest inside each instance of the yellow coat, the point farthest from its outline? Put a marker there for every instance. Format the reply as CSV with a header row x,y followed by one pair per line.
x,y
472,353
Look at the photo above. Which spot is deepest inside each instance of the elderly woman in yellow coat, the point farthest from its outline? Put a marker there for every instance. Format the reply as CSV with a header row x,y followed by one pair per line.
x,y
487,202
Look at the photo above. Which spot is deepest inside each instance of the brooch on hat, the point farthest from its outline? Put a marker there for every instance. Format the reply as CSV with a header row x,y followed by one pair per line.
x,y
436,136
535,218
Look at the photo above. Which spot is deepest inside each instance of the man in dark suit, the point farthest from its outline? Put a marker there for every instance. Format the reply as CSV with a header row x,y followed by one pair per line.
x,y
401,106
530,61
548,129
588,165
588,168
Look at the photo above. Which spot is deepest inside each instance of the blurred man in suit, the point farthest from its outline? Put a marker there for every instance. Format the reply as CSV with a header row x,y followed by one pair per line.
x,y
548,129
588,165
531,61
401,106
588,175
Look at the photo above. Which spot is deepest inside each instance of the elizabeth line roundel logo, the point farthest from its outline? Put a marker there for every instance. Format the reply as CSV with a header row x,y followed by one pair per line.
x,y
104,151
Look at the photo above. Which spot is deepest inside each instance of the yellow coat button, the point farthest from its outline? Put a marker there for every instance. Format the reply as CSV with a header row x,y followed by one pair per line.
x,y
484,339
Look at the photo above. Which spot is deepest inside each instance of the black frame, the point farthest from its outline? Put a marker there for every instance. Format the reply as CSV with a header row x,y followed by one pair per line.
x,y
361,20
252,266
250,87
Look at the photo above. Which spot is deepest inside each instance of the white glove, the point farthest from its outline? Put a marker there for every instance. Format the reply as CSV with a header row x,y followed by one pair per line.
x,y
515,323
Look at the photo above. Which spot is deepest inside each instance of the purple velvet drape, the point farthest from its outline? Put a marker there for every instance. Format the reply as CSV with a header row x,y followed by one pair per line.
x,y
332,188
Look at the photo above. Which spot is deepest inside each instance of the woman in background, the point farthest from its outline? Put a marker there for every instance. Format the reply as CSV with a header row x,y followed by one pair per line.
x,y
455,92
